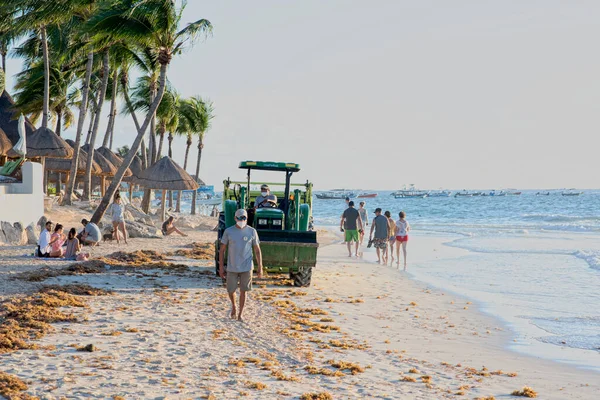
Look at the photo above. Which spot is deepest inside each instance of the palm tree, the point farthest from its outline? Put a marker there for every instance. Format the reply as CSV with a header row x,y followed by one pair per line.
x,y
153,24
204,111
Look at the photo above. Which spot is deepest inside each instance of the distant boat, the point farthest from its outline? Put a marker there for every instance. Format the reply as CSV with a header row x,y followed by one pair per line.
x,y
465,193
571,192
411,192
542,194
335,195
439,193
513,192
366,195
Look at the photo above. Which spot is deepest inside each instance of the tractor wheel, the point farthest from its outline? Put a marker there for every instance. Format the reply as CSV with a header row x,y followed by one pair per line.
x,y
302,277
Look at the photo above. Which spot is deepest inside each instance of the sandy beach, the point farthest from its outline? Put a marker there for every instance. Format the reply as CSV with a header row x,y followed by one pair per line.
x,y
361,330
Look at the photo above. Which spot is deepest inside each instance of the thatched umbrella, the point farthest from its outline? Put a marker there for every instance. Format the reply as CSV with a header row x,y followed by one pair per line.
x,y
45,143
63,165
113,158
9,116
5,143
136,169
166,175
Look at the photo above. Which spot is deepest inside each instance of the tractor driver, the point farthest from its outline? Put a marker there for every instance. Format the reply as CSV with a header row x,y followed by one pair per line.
x,y
266,199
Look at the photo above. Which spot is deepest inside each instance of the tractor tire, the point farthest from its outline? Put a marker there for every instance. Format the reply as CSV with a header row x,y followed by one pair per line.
x,y
302,277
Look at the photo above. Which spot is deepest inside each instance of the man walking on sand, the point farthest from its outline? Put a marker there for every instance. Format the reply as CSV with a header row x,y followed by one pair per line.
x,y
240,239
381,225
348,224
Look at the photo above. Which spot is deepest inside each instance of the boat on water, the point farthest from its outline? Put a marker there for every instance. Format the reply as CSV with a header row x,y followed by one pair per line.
x,y
543,193
512,192
572,192
335,194
466,193
411,192
494,193
439,193
366,195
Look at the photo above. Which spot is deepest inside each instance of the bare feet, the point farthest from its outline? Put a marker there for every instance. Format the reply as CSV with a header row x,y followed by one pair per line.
x,y
350,255
240,318
233,312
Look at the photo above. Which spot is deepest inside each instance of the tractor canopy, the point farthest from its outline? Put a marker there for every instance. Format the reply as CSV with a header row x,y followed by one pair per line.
x,y
270,166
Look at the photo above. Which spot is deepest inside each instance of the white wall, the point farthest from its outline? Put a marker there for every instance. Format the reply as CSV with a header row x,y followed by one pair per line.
x,y
23,202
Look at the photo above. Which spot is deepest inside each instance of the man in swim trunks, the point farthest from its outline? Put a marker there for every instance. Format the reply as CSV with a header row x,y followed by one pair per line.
x,y
381,225
348,224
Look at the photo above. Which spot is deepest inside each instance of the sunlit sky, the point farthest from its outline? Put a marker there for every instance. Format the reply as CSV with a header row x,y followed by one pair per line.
x,y
375,95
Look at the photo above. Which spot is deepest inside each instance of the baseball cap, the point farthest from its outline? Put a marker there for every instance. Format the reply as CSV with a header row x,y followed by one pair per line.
x,y
241,213
377,210
264,186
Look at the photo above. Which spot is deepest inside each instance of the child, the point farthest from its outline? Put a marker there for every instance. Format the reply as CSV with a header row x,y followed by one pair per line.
x,y
402,229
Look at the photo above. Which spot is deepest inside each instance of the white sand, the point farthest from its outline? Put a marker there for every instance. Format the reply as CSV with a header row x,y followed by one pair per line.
x,y
185,341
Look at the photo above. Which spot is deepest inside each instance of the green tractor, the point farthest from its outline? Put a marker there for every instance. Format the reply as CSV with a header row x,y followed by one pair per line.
x,y
287,240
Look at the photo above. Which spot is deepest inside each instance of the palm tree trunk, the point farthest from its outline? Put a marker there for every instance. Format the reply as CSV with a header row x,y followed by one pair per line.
x,y
92,119
82,113
200,147
170,156
161,130
58,129
110,192
187,152
4,62
113,109
87,190
46,80
153,153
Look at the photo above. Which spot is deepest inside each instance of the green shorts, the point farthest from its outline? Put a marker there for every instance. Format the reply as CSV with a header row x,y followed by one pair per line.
x,y
351,235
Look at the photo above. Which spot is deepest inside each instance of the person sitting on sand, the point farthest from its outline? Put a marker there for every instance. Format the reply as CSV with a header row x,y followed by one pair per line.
x,y
168,227
351,224
44,240
74,247
239,240
381,225
91,233
117,211
56,241
266,199
402,229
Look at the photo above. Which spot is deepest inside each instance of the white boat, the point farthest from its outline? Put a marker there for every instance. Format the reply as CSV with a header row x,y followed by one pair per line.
x,y
439,193
571,192
513,192
465,193
411,192
547,193
335,194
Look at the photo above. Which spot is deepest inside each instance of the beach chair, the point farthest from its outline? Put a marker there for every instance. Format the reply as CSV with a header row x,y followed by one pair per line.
x,y
11,167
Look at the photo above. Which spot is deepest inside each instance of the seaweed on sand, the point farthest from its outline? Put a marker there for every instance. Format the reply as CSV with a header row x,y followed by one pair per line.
x,y
12,387
316,396
525,392
199,251
27,318
76,289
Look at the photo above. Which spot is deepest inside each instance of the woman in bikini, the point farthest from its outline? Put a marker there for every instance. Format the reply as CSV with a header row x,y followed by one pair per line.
x,y
402,229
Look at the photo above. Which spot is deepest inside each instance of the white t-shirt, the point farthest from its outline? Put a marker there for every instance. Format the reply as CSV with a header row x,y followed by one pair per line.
x,y
402,227
44,241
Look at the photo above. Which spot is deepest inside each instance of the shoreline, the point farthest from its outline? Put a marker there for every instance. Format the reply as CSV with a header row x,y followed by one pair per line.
x,y
167,332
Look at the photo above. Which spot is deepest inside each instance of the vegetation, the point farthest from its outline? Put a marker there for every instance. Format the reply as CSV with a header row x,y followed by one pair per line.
x,y
79,54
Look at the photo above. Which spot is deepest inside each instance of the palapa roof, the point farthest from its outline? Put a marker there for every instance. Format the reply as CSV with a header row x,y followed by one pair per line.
x,y
64,164
108,168
5,143
113,158
136,169
9,119
45,143
166,175
200,181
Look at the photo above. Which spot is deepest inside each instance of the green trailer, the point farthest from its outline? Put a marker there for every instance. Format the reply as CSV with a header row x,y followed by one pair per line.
x,y
287,239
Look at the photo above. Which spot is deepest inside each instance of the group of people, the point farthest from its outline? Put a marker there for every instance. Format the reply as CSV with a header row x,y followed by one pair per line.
x,y
53,243
385,232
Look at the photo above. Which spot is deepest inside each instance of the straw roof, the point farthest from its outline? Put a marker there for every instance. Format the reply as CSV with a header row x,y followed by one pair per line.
x,y
136,169
45,143
108,169
166,175
113,158
5,143
200,181
64,164
9,119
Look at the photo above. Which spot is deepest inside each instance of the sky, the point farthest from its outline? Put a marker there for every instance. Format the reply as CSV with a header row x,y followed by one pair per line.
x,y
376,95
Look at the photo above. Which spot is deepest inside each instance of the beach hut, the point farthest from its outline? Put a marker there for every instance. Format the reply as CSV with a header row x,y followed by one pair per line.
x,y
166,175
44,143
113,158
63,166
9,116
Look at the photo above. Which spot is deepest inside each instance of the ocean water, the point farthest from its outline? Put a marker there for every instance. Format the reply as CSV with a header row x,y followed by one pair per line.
x,y
532,261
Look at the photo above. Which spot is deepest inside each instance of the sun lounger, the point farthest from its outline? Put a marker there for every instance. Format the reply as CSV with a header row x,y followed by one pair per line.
x,y
11,167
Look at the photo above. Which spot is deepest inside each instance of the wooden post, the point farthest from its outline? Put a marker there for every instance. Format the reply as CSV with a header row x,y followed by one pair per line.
x,y
45,176
163,213
130,192
103,185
